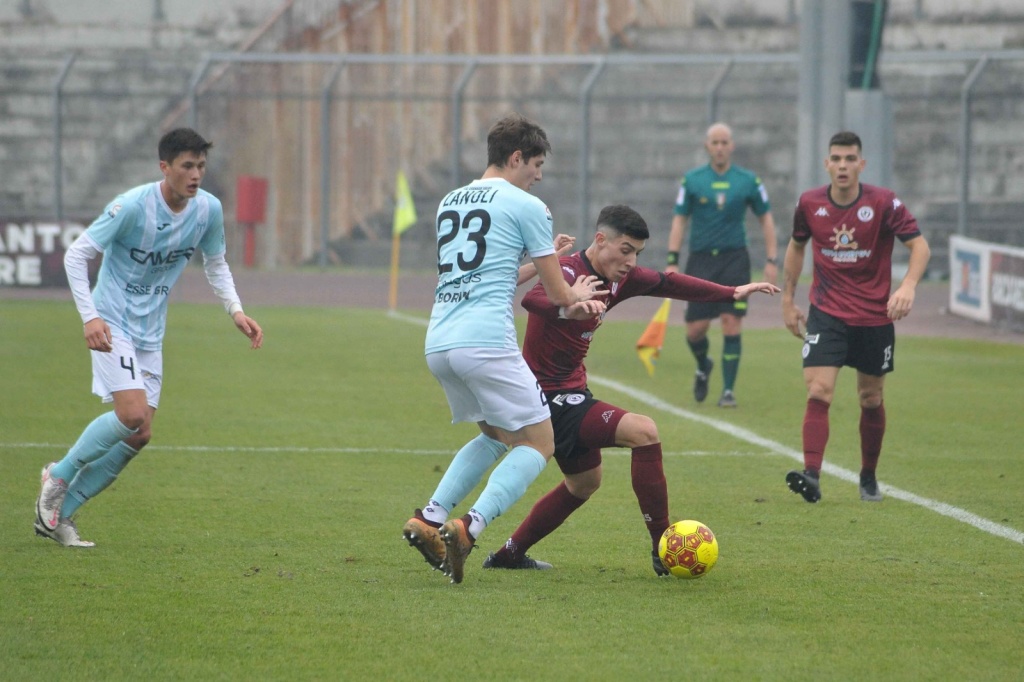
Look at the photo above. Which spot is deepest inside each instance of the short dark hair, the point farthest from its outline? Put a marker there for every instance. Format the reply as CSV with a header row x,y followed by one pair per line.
x,y
623,220
512,133
181,140
845,139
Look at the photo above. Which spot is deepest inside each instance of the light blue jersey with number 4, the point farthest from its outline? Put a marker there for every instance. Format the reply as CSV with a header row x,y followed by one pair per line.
x,y
483,231
145,248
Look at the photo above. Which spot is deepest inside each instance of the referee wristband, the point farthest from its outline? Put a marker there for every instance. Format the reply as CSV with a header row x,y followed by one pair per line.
x,y
673,258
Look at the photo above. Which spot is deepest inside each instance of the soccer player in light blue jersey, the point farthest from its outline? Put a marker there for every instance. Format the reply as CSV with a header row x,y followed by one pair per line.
x,y
483,231
146,236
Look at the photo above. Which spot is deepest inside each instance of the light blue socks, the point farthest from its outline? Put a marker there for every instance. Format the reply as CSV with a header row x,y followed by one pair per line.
x,y
93,478
511,478
467,468
99,437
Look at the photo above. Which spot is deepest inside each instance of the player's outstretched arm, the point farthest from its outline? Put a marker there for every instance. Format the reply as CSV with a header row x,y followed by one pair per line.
x,y
250,328
585,310
744,292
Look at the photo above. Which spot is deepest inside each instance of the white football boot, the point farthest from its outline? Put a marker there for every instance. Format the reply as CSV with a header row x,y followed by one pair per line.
x,y
51,497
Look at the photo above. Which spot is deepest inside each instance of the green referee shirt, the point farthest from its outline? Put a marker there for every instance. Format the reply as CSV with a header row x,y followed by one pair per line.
x,y
717,204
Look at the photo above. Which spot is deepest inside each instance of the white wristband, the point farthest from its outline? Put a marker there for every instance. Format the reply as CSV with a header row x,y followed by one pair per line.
x,y
234,308
561,313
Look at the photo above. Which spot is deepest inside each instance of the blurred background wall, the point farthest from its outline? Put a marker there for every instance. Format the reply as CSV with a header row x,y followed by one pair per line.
x,y
112,77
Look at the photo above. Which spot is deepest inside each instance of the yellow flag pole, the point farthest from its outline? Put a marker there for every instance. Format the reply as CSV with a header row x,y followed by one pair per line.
x,y
405,217
395,254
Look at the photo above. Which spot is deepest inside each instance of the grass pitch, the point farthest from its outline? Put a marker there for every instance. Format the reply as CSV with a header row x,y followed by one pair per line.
x,y
258,537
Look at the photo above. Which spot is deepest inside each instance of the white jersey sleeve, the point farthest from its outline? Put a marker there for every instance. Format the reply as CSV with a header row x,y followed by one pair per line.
x,y
76,265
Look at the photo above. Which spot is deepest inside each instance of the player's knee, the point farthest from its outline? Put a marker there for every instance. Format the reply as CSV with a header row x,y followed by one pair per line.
x,y
583,488
817,390
140,438
645,431
870,400
636,430
132,418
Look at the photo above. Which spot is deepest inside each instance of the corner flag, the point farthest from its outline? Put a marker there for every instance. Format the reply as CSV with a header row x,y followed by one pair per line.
x,y
648,346
405,217
405,209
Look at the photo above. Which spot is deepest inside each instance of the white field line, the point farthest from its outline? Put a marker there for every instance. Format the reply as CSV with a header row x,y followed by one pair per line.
x,y
961,515
57,448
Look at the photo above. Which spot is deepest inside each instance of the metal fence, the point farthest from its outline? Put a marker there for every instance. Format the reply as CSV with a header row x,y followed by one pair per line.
x,y
331,130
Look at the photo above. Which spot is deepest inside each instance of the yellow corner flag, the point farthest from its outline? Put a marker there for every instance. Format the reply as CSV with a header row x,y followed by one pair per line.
x,y
648,346
405,209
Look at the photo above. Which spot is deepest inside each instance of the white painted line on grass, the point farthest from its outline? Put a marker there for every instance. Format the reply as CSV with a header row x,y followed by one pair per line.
x,y
62,447
741,433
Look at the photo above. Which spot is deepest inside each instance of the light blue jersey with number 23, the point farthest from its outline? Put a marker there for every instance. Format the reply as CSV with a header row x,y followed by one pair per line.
x,y
483,231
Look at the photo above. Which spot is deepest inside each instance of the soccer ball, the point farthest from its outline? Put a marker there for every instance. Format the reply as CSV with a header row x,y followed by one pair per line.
x,y
688,549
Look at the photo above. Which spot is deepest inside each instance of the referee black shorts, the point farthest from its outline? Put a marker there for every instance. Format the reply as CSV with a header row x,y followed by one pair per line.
x,y
730,268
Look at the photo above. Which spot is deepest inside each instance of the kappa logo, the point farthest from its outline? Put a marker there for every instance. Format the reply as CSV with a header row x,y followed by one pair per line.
x,y
896,203
822,212
607,415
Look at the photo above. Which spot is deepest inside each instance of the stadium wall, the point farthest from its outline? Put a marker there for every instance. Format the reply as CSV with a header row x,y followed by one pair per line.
x,y
646,124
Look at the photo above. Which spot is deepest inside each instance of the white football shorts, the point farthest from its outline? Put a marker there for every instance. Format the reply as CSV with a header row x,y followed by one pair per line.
x,y
492,385
125,369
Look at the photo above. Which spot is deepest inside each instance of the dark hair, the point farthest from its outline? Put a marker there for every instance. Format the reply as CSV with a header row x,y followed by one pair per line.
x,y
181,140
512,133
623,220
845,139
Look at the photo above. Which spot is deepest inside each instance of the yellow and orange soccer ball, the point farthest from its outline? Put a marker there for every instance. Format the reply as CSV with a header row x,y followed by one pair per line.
x,y
688,549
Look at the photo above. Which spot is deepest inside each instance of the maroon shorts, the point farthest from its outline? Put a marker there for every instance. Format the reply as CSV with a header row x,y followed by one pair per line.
x,y
582,427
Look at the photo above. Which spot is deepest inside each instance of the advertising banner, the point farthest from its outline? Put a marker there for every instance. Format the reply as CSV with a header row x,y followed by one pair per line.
x,y
1007,289
968,278
32,252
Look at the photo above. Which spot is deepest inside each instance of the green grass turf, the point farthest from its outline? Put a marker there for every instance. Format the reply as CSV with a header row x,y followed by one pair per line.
x,y
247,543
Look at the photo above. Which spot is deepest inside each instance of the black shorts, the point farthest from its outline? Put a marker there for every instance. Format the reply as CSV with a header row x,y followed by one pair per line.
x,y
830,342
576,450
730,268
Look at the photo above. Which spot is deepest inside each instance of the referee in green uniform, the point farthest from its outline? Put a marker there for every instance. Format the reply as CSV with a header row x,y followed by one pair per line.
x,y
714,200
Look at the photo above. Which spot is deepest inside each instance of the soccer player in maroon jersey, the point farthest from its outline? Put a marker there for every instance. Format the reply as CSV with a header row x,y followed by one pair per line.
x,y
556,343
851,228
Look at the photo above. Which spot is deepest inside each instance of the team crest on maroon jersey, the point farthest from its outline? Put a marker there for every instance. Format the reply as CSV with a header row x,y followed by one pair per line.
x,y
865,213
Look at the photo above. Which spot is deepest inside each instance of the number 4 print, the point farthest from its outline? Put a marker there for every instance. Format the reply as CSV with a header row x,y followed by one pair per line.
x,y
130,366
